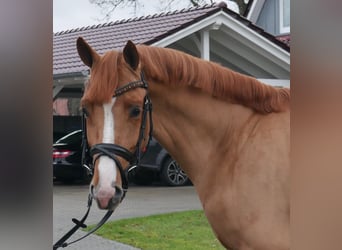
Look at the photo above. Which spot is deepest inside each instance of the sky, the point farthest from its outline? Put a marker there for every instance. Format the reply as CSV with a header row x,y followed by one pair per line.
x,y
71,14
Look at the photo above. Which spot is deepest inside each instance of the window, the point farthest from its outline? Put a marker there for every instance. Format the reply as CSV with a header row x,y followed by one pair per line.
x,y
284,14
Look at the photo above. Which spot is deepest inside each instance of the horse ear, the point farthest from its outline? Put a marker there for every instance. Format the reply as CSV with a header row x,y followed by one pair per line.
x,y
131,55
86,53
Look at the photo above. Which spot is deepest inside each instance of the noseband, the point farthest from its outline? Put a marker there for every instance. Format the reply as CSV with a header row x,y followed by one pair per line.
x,y
112,151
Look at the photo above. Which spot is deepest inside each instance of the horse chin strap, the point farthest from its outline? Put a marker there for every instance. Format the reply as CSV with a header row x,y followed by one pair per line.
x,y
112,151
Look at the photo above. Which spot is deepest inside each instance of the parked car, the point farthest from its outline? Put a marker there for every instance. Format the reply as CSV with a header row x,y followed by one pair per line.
x,y
156,164
67,158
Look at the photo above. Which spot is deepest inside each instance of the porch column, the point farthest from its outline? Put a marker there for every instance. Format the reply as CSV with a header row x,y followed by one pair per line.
x,y
205,45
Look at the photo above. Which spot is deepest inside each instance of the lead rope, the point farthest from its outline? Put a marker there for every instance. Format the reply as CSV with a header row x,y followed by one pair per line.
x,y
80,224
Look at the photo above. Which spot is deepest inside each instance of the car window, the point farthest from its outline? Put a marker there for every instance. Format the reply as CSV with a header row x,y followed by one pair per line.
x,y
74,137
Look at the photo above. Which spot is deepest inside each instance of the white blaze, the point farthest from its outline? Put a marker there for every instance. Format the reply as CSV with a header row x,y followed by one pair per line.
x,y
107,167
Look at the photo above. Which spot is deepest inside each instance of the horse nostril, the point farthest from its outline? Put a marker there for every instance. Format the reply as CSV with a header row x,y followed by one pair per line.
x,y
118,191
116,199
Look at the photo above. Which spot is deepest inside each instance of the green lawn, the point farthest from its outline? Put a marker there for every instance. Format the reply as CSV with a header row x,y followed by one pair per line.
x,y
181,230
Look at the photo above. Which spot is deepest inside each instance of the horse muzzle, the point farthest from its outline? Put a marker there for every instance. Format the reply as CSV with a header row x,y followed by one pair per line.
x,y
108,198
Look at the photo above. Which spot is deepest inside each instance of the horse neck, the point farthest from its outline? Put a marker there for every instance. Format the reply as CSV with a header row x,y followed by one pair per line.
x,y
193,126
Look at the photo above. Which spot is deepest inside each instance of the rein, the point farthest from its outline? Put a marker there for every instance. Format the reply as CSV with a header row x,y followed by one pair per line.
x,y
112,151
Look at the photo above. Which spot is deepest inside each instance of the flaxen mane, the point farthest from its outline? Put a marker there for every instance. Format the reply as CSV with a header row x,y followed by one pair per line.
x,y
174,67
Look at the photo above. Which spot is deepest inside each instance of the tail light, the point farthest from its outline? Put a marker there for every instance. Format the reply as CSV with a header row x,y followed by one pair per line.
x,y
58,154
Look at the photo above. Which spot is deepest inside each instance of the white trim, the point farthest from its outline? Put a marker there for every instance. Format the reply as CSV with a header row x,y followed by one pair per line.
x,y
254,40
265,65
70,80
251,37
282,29
206,22
247,37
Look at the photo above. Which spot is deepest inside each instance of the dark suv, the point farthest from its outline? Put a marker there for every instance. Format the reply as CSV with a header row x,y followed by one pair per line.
x,y
156,164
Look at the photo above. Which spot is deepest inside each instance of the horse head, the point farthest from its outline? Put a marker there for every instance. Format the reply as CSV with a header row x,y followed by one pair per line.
x,y
114,104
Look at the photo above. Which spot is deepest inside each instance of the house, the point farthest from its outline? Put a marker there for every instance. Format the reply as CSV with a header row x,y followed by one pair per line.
x,y
212,32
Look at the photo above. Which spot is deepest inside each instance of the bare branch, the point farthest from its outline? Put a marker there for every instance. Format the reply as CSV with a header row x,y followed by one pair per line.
x,y
109,6
194,3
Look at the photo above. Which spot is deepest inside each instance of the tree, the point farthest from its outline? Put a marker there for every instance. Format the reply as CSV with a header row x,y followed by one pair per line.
x,y
109,6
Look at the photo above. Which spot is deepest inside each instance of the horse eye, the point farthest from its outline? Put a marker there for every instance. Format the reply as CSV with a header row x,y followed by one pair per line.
x,y
134,112
85,112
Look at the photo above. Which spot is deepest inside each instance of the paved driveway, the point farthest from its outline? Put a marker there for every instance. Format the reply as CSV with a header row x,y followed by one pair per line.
x,y
70,201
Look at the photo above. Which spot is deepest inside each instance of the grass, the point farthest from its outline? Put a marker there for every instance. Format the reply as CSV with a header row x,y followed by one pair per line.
x,y
180,230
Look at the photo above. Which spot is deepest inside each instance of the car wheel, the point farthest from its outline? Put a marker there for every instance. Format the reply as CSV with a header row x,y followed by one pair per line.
x,y
172,174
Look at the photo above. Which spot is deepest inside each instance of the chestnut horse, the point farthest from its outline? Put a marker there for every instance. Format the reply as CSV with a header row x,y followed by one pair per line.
x,y
229,132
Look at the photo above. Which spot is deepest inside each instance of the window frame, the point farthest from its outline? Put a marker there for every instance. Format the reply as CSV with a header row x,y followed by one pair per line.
x,y
283,29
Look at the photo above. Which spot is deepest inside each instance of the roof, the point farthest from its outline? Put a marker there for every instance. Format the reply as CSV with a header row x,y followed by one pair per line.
x,y
142,30
285,39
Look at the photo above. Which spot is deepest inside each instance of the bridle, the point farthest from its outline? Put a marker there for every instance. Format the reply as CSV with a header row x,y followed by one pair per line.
x,y
112,151
115,150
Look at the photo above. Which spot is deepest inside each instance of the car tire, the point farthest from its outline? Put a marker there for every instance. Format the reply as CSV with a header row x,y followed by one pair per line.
x,y
171,173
